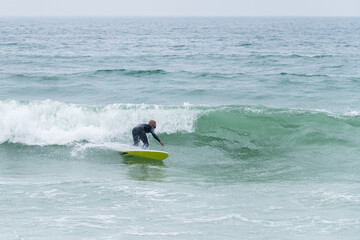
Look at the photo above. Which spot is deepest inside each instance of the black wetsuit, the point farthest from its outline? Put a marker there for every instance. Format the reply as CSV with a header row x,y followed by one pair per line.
x,y
139,133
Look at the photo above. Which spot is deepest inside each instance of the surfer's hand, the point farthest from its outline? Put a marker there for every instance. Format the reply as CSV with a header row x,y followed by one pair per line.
x,y
162,144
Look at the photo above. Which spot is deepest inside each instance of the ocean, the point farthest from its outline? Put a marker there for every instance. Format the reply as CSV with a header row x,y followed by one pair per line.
x,y
260,117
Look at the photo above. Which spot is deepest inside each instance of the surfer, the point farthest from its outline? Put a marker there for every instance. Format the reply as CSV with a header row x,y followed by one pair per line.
x,y
139,133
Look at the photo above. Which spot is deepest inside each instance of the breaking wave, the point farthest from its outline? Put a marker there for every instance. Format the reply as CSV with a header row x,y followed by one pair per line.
x,y
241,131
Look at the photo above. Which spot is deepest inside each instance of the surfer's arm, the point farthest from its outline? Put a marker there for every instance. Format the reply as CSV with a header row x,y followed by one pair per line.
x,y
156,137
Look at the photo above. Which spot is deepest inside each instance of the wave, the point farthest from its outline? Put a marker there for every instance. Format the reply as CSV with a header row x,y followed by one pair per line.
x,y
244,44
124,72
291,56
39,77
310,56
131,72
240,131
210,75
9,44
77,75
50,122
201,75
302,75
244,132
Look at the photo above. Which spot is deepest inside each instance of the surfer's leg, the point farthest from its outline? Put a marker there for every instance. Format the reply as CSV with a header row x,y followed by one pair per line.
x,y
135,135
144,139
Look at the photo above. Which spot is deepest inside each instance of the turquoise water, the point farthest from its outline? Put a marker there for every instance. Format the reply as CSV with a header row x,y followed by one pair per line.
x,y
260,117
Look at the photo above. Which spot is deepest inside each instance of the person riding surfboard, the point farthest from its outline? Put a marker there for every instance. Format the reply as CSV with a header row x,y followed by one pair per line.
x,y
139,133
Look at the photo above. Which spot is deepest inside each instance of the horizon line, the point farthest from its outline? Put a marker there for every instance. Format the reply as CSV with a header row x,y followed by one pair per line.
x,y
183,16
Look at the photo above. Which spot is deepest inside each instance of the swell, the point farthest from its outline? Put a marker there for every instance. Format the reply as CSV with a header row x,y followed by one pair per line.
x,y
131,72
302,75
156,72
125,73
292,56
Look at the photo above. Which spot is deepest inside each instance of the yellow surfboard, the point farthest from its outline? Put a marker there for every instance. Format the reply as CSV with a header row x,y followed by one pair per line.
x,y
157,155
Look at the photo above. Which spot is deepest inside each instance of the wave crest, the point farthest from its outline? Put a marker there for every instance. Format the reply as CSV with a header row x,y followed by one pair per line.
x,y
50,122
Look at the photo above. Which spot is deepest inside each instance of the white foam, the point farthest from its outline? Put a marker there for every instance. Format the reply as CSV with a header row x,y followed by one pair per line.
x,y
50,122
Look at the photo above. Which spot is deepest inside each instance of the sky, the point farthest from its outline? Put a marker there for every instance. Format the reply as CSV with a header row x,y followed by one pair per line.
x,y
179,7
